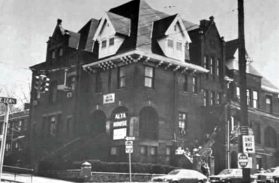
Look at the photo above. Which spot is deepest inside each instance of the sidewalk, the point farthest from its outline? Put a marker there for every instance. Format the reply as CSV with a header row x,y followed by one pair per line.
x,y
29,179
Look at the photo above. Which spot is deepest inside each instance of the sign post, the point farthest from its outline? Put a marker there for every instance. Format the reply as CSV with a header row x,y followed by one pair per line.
x,y
7,102
129,150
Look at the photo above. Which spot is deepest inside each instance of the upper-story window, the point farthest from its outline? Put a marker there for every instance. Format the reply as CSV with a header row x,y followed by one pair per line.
x,y
61,52
179,46
268,103
98,83
182,123
211,66
238,93
121,77
111,41
205,98
185,83
53,54
104,43
248,97
170,43
217,67
149,77
212,102
195,85
255,99
218,95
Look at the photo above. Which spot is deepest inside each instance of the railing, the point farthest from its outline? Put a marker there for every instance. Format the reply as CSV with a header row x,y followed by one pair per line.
x,y
18,173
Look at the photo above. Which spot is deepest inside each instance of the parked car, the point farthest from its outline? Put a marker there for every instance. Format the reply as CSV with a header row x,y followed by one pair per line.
x,y
268,176
229,176
181,175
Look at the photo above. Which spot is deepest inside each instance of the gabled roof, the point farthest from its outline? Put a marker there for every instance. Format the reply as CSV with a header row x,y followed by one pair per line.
x,y
87,33
231,48
190,26
161,26
122,25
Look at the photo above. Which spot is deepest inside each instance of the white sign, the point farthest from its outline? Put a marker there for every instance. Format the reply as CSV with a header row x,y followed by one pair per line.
x,y
244,161
119,133
248,144
130,138
7,100
109,98
129,146
120,123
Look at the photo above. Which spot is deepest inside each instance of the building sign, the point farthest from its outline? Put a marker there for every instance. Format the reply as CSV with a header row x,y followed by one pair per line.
x,y
119,133
120,125
109,98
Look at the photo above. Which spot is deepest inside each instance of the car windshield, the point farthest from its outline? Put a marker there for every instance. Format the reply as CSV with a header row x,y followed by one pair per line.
x,y
226,171
174,172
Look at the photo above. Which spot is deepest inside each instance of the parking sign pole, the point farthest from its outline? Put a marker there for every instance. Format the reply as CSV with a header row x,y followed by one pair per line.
x,y
130,167
3,140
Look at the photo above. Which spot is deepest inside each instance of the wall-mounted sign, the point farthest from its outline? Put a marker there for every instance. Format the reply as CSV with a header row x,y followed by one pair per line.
x,y
109,98
120,124
119,133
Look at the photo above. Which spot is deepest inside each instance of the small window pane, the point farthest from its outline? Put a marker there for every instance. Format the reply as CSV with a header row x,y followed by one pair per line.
x,y
148,82
170,43
104,43
179,46
149,71
111,41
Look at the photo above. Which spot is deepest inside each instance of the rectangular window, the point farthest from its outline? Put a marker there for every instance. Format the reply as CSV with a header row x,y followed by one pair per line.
x,y
205,62
104,43
185,83
153,151
143,150
98,83
205,98
218,98
238,93
149,77
268,101
195,85
217,67
255,99
168,151
212,102
248,97
53,54
182,123
113,151
61,52
170,43
179,46
111,41
257,128
121,77
211,66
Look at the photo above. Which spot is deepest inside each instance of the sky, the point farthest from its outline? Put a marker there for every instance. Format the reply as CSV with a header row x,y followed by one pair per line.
x,y
26,25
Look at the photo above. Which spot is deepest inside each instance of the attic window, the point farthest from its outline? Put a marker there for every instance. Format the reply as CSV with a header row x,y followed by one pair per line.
x,y
170,43
111,41
104,43
179,46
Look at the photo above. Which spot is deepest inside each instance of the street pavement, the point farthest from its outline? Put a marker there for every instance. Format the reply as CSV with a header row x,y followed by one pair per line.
x,y
31,179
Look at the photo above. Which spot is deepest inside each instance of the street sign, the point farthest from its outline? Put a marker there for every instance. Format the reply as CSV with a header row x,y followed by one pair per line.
x,y
248,144
130,138
129,146
243,160
7,100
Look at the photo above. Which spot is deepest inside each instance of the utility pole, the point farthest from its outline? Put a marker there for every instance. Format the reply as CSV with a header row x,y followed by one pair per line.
x,y
242,81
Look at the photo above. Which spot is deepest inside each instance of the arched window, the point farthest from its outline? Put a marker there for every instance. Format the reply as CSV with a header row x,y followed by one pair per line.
x,y
98,122
270,137
148,123
233,159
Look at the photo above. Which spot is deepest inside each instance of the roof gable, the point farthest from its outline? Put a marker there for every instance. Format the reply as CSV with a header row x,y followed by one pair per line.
x,y
87,33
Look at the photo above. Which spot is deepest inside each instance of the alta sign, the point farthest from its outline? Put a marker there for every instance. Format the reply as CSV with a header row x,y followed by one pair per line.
x,y
7,100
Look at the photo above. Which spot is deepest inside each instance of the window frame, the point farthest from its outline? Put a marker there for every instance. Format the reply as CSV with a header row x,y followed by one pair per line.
x,y
170,43
185,83
195,84
121,77
182,122
147,77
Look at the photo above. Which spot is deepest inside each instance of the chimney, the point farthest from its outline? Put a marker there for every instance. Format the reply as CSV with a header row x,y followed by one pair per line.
x,y
211,18
59,21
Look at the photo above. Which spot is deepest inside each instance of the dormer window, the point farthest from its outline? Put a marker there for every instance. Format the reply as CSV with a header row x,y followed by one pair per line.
x,y
187,46
170,43
104,43
111,41
179,46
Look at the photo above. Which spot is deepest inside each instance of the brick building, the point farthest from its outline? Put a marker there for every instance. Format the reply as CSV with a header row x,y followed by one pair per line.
x,y
135,72
16,140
